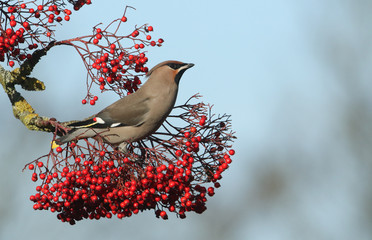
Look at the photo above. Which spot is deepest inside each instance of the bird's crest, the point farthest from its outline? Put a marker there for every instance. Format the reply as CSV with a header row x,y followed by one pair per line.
x,y
160,65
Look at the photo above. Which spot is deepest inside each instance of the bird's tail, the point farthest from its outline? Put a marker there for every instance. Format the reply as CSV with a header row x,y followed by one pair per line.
x,y
71,135
76,133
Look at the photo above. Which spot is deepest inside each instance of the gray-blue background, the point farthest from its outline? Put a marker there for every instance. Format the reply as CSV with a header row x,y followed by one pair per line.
x,y
296,77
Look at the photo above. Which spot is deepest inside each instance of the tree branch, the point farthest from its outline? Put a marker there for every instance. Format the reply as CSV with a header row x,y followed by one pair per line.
x,y
21,108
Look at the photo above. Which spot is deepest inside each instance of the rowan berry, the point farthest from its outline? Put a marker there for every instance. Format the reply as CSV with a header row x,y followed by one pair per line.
x,y
178,153
164,215
231,152
26,25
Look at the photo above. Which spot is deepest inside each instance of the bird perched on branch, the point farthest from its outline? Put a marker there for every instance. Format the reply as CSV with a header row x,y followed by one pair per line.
x,y
137,115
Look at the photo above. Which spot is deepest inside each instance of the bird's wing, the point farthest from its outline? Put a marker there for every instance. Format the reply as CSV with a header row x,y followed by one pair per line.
x,y
128,111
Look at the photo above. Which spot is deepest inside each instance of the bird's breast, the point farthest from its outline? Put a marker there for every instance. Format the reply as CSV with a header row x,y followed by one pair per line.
x,y
160,106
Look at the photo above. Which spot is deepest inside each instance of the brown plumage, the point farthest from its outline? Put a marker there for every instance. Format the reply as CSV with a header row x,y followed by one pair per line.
x,y
137,115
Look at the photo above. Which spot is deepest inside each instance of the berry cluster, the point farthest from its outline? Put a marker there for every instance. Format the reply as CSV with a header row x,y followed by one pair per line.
x,y
112,71
110,64
89,179
26,26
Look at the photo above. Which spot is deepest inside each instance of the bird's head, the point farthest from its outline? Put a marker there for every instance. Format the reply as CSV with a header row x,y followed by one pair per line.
x,y
173,69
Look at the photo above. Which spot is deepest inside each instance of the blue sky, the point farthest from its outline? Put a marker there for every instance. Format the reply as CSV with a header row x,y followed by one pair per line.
x,y
260,61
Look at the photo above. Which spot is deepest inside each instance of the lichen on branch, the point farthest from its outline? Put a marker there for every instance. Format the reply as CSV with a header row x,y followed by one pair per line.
x,y
22,110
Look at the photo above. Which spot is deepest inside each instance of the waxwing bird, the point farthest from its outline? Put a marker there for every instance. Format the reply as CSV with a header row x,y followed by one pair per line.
x,y
137,115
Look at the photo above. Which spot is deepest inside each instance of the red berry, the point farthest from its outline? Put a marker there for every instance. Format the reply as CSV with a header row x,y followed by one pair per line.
x,y
26,25
232,152
59,149
67,18
93,198
164,215
11,9
31,166
95,98
202,122
135,33
148,37
178,153
92,102
193,129
84,101
11,63
124,19
150,28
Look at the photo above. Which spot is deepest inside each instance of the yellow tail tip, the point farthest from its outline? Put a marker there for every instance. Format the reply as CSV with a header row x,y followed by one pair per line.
x,y
54,145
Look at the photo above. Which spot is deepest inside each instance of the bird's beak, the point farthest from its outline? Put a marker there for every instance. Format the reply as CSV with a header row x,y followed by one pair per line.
x,y
185,67
190,65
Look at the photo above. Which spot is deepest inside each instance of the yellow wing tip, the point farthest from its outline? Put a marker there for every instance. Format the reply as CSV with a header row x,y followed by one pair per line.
x,y
54,145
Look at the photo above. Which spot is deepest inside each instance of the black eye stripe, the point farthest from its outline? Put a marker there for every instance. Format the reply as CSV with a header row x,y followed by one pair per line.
x,y
176,66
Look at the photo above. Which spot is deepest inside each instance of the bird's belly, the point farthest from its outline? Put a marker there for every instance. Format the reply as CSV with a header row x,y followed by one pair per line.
x,y
126,134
